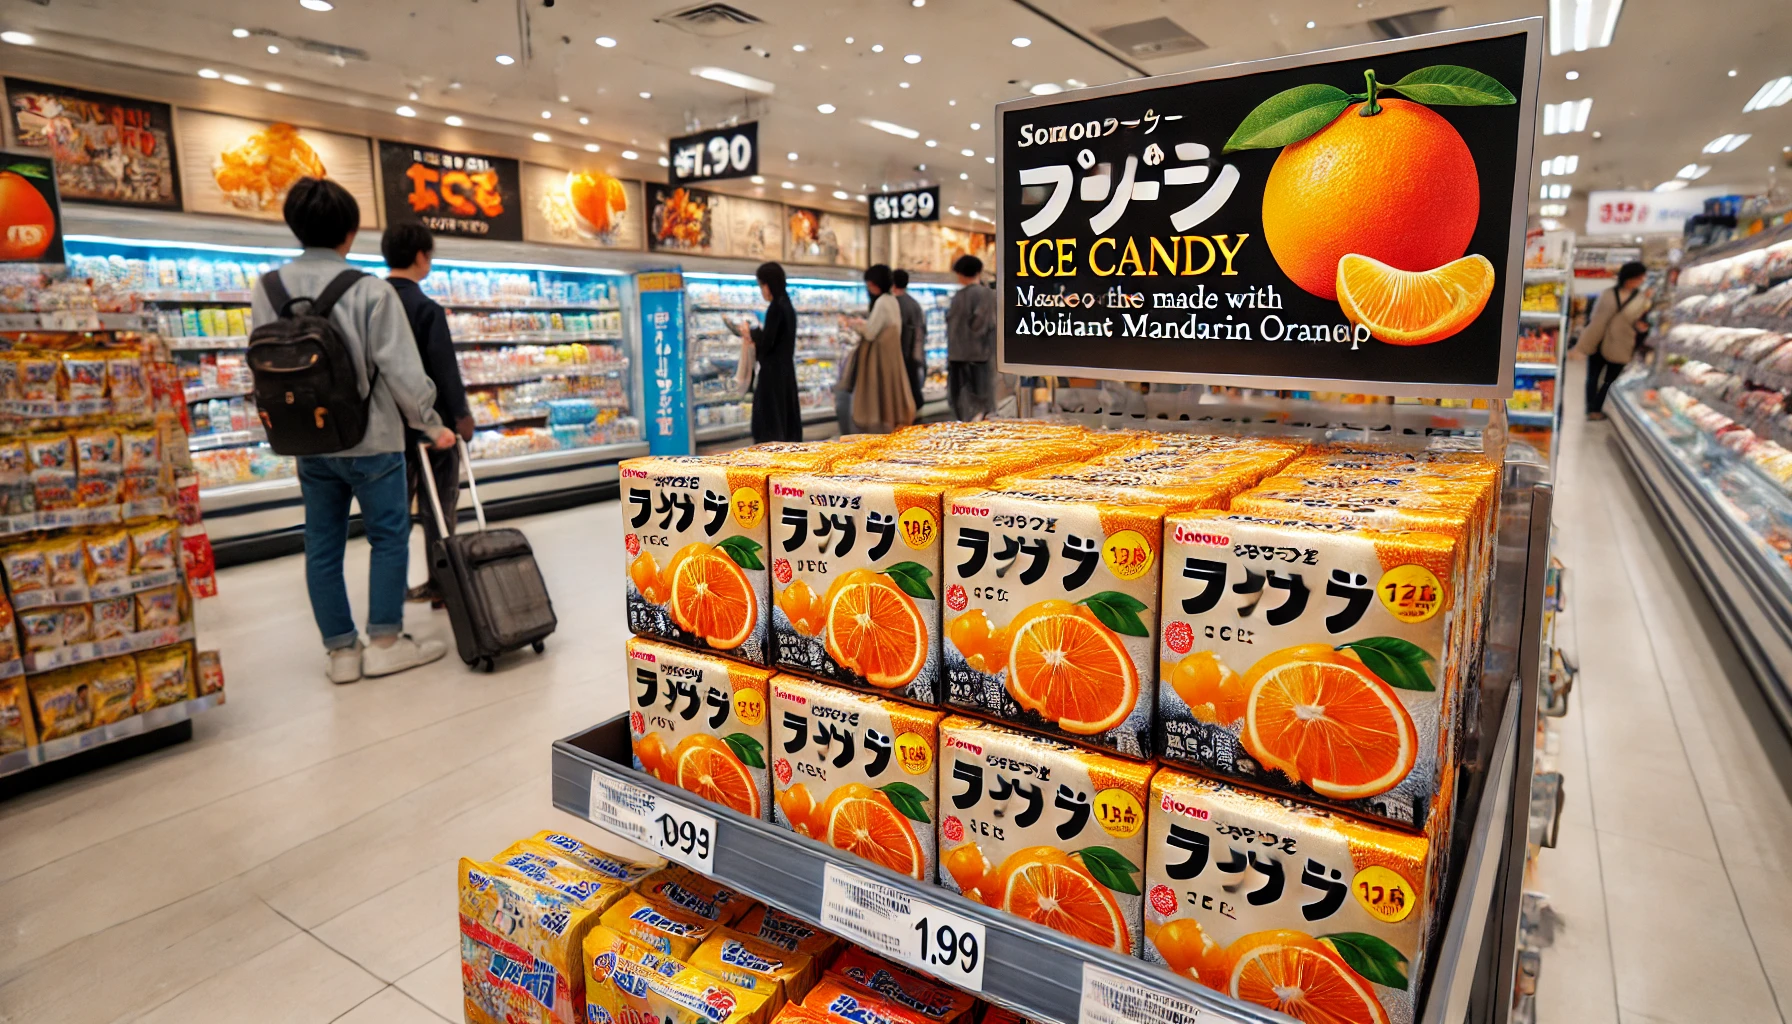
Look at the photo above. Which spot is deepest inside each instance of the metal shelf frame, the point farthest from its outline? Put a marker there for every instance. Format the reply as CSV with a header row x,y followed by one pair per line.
x,y
1041,973
100,735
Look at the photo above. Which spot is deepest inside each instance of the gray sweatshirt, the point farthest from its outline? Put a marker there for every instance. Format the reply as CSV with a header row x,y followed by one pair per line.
x,y
372,322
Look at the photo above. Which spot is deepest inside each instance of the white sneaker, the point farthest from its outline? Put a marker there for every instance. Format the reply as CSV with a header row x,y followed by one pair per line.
x,y
404,653
345,664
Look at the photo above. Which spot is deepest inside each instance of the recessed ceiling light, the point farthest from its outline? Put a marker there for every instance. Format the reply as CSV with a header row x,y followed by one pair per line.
x,y
757,179
240,33
1726,143
1674,185
877,47
931,143
920,167
1553,209
542,137
645,95
911,58
1599,135
736,79
413,95
592,147
1021,41
962,176
236,79
890,128
989,159
953,210
1569,116
826,108
664,162
584,120
275,87
1312,24
787,184
566,99
317,5
951,103
505,58
546,114
798,47
838,194
629,154
902,85
453,121
1573,75
967,152
976,127
605,41
860,198
1773,94
1582,24
203,72
1732,72
1693,172
791,156
405,112
849,40
808,188
1549,223
273,49
18,38
917,3
1046,89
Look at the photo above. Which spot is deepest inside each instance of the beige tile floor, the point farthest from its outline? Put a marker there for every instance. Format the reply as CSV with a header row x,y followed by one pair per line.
x,y
295,862
1673,868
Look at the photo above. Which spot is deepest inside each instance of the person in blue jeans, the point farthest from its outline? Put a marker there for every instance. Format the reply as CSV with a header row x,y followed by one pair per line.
x,y
325,217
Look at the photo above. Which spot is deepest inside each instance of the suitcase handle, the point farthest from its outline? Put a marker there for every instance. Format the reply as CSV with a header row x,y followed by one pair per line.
x,y
429,479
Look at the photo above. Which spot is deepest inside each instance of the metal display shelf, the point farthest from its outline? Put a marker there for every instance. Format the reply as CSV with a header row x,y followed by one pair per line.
x,y
1531,417
1750,593
100,735
1042,974
72,320
1536,369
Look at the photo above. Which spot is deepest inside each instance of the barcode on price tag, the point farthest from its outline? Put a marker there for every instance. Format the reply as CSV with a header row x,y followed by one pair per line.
x,y
1110,999
672,830
890,921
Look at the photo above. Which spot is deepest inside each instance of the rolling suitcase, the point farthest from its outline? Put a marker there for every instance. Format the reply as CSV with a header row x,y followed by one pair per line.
x,y
496,599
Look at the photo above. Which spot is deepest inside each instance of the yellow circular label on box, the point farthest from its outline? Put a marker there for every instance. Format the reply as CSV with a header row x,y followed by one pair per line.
x,y
749,706
913,753
749,507
1411,592
1119,814
1384,893
919,528
1128,554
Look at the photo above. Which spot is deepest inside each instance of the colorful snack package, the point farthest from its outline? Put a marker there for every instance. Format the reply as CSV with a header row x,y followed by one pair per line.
x,y
41,628
114,616
139,485
66,557
627,984
627,872
86,375
112,685
64,704
793,934
842,1003
108,556
130,388
545,865
909,989
152,546
40,378
97,449
26,568
164,676
9,637
16,494
158,609
18,729
658,925
691,892
720,757
9,375
77,624
519,950
98,488
54,490
200,564
51,452
755,965
141,450
211,673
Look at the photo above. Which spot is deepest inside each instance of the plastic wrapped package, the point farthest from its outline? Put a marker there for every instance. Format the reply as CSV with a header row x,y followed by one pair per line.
x,y
164,676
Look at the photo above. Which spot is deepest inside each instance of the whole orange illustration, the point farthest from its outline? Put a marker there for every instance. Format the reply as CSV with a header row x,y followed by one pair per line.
x,y
1398,186
26,224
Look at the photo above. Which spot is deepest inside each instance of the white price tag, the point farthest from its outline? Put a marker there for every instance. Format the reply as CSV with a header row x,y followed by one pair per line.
x,y
1110,999
670,829
888,920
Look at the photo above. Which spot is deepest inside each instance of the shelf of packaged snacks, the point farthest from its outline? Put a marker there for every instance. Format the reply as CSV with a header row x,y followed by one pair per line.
x,y
100,735
537,337
72,320
93,650
224,439
527,304
1729,515
57,519
1045,976
205,344
49,598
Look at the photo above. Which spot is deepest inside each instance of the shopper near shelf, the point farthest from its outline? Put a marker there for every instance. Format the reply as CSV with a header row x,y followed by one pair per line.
x,y
370,318
971,343
880,397
409,250
1612,334
777,412
914,333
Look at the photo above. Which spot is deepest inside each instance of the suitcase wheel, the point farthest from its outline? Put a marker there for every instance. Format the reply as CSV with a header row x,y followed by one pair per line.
x,y
540,646
491,664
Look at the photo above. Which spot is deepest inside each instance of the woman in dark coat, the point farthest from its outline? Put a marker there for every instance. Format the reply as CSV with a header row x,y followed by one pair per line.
x,y
777,415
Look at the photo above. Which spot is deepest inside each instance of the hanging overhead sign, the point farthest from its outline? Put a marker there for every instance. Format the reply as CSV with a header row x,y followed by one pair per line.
x,y
452,193
716,154
917,204
1350,220
1646,213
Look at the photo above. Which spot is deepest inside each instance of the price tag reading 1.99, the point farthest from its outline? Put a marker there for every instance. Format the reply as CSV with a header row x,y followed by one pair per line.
x,y
945,947
904,927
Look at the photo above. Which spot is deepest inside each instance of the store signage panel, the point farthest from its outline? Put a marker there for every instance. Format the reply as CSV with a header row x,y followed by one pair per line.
x,y
452,193
690,220
917,204
586,208
108,149
820,237
244,168
1646,213
30,212
1197,227
668,415
716,154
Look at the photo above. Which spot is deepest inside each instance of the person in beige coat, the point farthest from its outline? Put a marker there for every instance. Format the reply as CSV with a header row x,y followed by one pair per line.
x,y
881,398
1611,334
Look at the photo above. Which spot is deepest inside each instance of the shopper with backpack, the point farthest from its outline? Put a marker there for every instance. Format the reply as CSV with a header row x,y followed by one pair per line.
x,y
337,378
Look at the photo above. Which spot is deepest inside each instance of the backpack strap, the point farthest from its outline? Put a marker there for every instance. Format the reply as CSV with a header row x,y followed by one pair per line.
x,y
338,286
275,289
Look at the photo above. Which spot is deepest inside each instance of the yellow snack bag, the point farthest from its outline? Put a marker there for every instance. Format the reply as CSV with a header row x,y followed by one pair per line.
x,y
627,984
608,865
67,559
754,965
164,676
17,729
693,893
792,934
658,925
520,949
64,704
539,864
112,684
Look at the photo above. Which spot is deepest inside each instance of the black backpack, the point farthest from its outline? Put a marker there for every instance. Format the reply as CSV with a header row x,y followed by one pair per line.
x,y
306,389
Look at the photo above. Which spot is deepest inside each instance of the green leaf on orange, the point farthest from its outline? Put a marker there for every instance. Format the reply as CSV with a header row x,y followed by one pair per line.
x,y
1288,117
910,802
1448,85
911,577
742,551
30,171
747,749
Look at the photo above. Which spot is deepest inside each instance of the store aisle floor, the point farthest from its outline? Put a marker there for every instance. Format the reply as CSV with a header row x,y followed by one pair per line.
x,y
296,861
1672,875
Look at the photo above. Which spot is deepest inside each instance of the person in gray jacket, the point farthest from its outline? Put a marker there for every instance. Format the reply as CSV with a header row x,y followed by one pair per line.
x,y
325,217
1613,330
971,344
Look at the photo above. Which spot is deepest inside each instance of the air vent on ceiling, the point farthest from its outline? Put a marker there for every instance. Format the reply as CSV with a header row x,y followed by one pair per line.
x,y
1412,23
1151,39
712,20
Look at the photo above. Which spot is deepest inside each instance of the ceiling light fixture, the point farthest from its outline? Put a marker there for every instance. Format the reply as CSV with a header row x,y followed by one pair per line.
x,y
645,95
275,87
798,47
665,162
931,143
1773,94
236,79
1674,185
1693,172
453,121
273,49
1555,191
1568,117
1549,224
605,41
629,154
1021,41
890,128
953,210
505,58
911,58
203,72
405,112
808,188
989,159
542,137
1725,143
792,157
1554,209
787,184
917,3
1599,135
1046,89
976,127
877,47
592,147
18,38
1560,165
317,5
962,176
584,120
734,78
849,40
1732,72
1582,24
1572,76
546,114
240,33
825,108
1312,24
967,152
413,95
757,179
901,85
861,198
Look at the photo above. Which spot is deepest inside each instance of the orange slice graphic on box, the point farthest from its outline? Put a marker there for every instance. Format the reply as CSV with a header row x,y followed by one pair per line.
x,y
1298,975
874,629
862,821
705,766
1044,885
1324,719
712,598
1070,668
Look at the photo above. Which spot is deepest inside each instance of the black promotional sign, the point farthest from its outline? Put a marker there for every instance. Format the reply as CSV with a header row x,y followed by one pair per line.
x,y
898,207
30,213
466,194
716,154
1351,220
108,149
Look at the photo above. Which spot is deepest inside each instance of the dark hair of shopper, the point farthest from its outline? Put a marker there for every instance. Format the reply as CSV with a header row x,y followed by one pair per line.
x,y
771,275
967,266
1630,272
879,276
403,243
321,213
899,278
